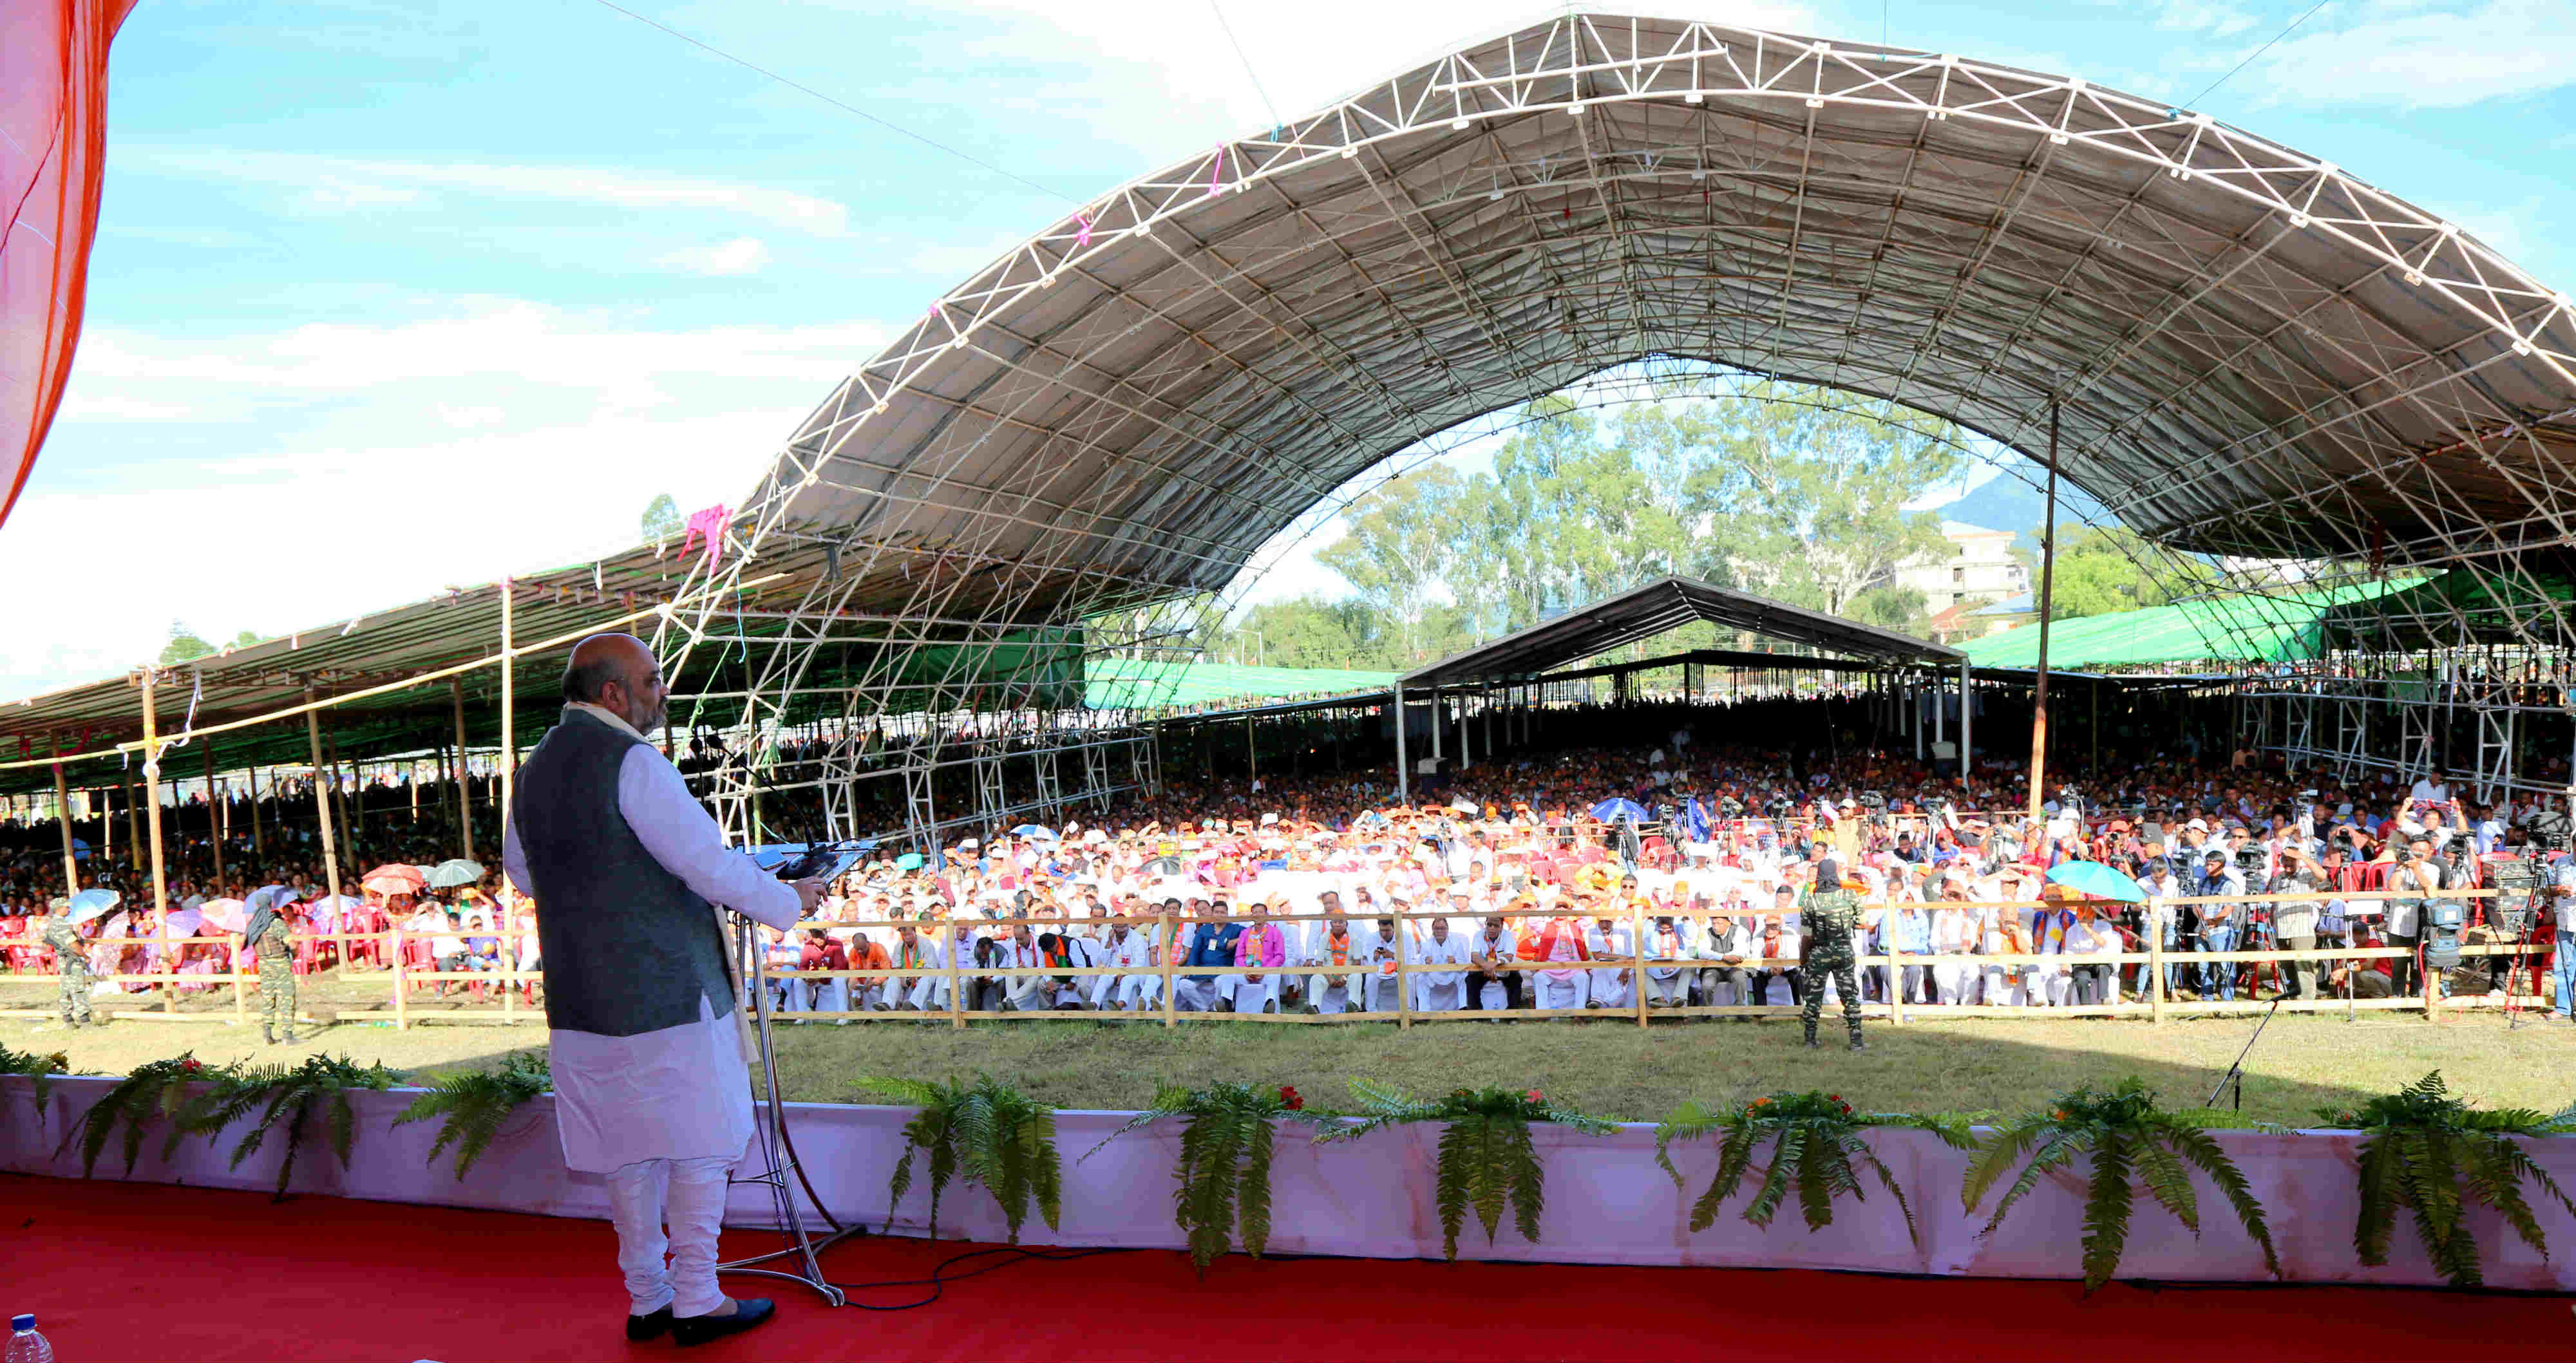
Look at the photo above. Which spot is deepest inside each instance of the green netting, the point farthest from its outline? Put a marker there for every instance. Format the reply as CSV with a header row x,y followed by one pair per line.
x,y
2277,627
2457,607
1131,684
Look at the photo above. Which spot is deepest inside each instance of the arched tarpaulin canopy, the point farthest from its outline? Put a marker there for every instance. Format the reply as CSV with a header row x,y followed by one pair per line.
x,y
2253,352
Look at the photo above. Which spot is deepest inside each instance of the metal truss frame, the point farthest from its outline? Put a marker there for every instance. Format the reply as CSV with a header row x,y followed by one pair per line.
x,y
2293,380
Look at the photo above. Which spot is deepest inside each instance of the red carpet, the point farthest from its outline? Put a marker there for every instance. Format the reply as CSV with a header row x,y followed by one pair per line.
x,y
123,1271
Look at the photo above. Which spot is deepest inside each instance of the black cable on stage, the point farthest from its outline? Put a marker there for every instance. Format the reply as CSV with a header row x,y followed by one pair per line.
x,y
940,1276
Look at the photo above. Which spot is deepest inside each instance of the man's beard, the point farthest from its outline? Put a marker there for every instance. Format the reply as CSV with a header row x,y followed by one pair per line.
x,y
655,719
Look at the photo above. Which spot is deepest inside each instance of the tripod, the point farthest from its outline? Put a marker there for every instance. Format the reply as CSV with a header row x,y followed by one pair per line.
x,y
2236,1072
778,1153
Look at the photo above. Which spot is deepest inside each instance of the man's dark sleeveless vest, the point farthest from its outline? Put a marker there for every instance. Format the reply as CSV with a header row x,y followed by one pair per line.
x,y
629,947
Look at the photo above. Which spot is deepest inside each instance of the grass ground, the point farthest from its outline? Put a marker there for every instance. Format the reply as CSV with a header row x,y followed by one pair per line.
x,y
2302,1063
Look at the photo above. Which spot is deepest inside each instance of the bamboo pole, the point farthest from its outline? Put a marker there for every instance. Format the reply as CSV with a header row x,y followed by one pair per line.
x,y
1403,936
1171,955
509,708
2047,584
322,798
258,845
152,790
63,803
2155,970
133,821
1637,948
1895,968
464,782
956,979
214,820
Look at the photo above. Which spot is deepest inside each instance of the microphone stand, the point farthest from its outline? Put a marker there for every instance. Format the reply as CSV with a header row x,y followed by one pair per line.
x,y
2236,1071
778,1153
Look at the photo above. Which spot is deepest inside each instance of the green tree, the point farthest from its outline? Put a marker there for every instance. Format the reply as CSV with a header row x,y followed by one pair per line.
x,y
184,645
662,519
2101,570
245,639
1397,539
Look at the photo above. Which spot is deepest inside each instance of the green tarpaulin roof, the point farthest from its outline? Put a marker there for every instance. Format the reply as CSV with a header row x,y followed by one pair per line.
x,y
1130,684
2272,628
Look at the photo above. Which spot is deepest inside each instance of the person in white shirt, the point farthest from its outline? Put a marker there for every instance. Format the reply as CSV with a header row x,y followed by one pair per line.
x,y
1610,939
1016,993
1774,962
1138,985
1438,991
1493,984
1729,943
2562,969
923,987
1668,986
2005,932
1382,952
2094,982
2431,786
1335,949
1954,936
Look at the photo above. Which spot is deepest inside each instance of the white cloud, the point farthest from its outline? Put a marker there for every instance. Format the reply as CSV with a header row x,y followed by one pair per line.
x,y
340,181
742,255
2201,16
524,436
2415,59
1161,76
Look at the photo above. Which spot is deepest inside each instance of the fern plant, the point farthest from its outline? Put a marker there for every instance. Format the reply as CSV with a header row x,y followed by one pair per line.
x,y
1486,1159
1224,1170
2433,1154
2128,1138
472,1104
39,1070
268,1094
156,1091
986,1132
1817,1149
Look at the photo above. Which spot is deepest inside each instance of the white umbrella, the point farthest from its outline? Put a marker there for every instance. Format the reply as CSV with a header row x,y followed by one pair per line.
x,y
90,904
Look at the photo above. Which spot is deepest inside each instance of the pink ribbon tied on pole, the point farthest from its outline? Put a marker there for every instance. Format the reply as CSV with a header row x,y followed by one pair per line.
x,y
1216,170
1083,237
711,523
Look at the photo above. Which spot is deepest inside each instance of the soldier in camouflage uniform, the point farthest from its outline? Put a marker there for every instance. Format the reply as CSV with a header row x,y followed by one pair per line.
x,y
1828,914
71,961
276,956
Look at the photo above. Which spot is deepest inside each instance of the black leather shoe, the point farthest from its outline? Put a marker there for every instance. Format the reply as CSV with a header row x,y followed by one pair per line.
x,y
747,1312
1860,1045
653,1326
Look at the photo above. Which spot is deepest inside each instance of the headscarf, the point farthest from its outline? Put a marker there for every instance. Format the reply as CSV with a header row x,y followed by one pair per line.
x,y
260,918
1829,875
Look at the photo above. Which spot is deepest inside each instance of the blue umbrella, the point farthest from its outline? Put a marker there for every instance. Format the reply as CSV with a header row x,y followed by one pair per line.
x,y
2094,878
909,861
1611,811
1038,832
89,904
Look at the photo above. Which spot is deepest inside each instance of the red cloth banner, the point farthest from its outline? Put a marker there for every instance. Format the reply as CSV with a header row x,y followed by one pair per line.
x,y
53,151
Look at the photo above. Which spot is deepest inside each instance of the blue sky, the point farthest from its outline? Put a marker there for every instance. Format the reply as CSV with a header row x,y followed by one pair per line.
x,y
394,295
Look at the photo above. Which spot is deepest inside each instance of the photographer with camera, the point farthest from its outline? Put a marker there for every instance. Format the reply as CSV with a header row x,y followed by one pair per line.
x,y
2219,923
2416,870
2294,924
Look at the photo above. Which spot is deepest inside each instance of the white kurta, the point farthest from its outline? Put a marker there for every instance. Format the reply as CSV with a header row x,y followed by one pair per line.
x,y
681,1092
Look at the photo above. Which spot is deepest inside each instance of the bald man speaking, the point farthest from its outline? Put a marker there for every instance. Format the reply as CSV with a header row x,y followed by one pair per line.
x,y
649,1049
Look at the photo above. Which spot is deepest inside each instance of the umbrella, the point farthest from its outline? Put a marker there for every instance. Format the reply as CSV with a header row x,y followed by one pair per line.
x,y
184,922
389,886
326,902
1163,866
1037,831
1609,811
410,876
265,897
909,861
231,915
89,904
1463,805
455,871
2094,878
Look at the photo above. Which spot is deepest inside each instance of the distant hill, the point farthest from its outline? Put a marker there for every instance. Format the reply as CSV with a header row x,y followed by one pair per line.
x,y
2005,502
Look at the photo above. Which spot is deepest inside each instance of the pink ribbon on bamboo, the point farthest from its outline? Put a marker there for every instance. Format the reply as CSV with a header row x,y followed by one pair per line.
x,y
711,523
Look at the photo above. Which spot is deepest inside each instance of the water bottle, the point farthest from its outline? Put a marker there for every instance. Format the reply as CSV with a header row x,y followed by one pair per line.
x,y
25,1345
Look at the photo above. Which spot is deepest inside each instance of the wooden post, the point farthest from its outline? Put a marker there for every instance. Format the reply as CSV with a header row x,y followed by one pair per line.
x,y
464,785
402,986
509,749
2156,965
214,821
956,978
152,789
63,803
1637,948
1403,928
321,797
1171,955
1895,974
133,821
2047,584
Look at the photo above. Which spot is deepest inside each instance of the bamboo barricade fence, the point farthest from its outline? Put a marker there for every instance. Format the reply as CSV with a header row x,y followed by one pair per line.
x,y
1170,934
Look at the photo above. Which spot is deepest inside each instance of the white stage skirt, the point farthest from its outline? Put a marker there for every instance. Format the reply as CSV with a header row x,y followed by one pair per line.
x,y
1607,1202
